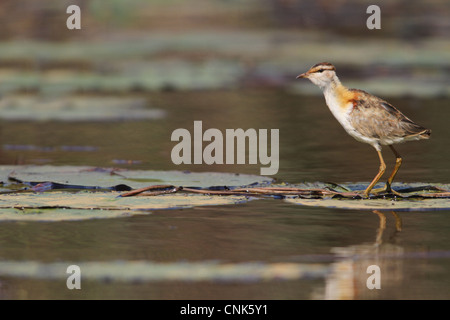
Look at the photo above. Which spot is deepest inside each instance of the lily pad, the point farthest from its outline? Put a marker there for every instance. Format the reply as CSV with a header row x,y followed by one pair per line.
x,y
60,206
105,178
376,204
74,108
49,193
415,197
62,214
170,271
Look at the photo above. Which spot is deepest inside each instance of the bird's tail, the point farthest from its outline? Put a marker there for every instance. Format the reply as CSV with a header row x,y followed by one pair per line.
x,y
425,134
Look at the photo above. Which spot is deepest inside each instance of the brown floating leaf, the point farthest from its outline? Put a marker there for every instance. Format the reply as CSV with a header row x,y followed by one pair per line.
x,y
286,191
155,190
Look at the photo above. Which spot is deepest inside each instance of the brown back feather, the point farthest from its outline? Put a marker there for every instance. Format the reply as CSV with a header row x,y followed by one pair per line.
x,y
377,118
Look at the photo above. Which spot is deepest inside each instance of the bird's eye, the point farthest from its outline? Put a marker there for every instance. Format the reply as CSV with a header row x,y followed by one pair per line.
x,y
320,70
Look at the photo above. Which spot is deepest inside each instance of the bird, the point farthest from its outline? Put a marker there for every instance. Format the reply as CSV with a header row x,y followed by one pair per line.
x,y
366,118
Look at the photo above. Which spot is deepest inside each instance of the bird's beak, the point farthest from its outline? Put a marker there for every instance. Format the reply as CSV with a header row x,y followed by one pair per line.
x,y
303,75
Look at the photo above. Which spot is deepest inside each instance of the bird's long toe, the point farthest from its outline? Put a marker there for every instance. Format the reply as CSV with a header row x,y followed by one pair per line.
x,y
386,190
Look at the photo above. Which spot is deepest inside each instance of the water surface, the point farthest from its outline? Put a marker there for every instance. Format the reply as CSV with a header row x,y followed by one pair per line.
x,y
339,243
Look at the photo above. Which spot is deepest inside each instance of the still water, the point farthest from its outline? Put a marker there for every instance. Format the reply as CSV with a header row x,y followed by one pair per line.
x,y
332,246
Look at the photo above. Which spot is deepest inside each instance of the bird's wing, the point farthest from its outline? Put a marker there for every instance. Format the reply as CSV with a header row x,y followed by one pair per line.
x,y
376,118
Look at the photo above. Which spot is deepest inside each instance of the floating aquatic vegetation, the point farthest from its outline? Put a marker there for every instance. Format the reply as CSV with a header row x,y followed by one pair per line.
x,y
53,193
77,109
106,178
176,271
61,205
49,193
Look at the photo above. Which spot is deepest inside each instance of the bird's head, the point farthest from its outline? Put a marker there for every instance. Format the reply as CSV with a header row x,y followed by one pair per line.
x,y
321,74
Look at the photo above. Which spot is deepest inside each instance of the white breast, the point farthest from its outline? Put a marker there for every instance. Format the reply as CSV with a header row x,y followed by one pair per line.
x,y
341,113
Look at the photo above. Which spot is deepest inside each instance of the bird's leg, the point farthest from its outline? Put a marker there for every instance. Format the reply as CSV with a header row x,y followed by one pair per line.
x,y
378,176
398,163
398,221
382,216
380,230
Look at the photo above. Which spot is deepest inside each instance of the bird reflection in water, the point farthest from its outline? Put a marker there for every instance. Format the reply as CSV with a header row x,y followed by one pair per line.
x,y
382,227
348,277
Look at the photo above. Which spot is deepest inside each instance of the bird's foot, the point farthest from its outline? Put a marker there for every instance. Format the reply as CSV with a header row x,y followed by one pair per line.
x,y
363,193
387,189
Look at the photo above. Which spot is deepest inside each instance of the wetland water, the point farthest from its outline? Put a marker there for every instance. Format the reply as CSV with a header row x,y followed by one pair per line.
x,y
332,247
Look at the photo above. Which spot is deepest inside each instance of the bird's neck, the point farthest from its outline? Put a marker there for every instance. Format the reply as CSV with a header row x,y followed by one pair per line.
x,y
337,97
334,85
334,89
